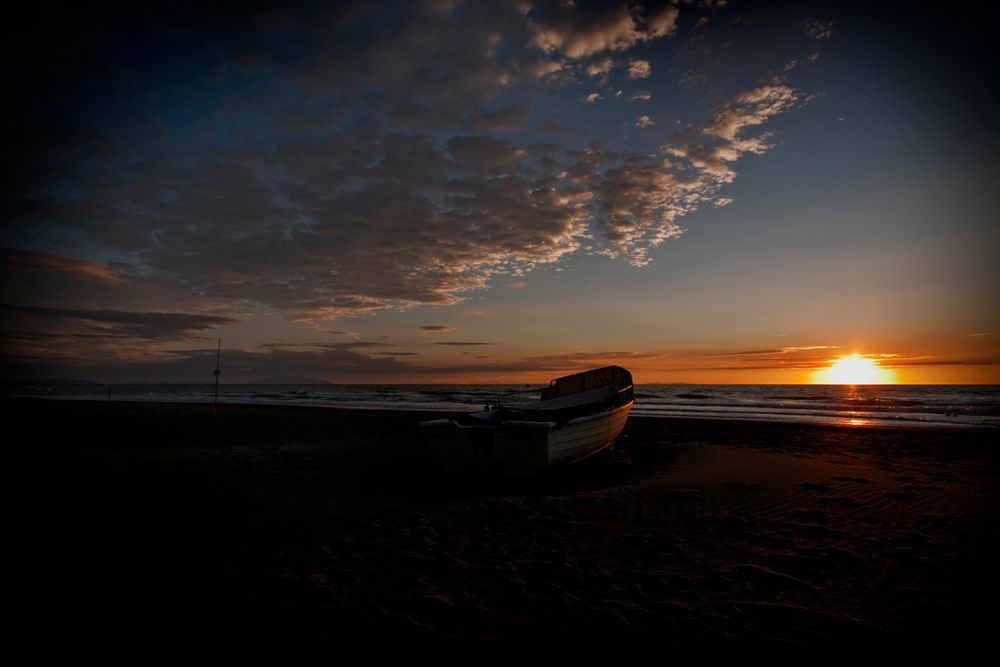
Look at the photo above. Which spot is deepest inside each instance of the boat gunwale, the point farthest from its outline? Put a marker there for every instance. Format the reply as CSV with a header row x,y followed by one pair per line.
x,y
525,423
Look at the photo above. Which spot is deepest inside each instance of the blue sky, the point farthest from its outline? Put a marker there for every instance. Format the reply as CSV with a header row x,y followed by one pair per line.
x,y
459,191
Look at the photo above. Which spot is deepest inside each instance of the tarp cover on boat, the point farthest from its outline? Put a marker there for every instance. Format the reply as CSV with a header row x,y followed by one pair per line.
x,y
599,377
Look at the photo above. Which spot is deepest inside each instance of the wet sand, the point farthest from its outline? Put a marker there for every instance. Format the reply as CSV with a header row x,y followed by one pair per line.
x,y
183,531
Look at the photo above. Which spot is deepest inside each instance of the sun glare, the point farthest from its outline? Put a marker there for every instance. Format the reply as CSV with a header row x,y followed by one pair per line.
x,y
854,369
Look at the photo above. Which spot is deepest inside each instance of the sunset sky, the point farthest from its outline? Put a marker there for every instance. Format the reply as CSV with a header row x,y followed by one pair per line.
x,y
449,191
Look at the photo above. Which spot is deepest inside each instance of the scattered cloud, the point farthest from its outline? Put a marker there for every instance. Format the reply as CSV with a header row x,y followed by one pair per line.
x,y
798,358
663,21
818,29
945,362
580,31
641,96
78,268
750,108
780,350
600,67
127,324
347,345
593,97
249,365
639,69
462,343
579,360
33,338
722,140
483,152
639,200
378,169
691,78
435,328
743,353
495,120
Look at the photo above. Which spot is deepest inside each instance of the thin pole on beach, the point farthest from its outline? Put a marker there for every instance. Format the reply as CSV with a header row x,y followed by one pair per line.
x,y
218,356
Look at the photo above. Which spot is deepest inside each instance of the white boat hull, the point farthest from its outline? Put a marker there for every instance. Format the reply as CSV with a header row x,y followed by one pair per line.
x,y
579,438
520,448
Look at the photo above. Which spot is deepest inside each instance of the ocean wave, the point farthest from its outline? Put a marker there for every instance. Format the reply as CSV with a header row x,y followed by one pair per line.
x,y
889,404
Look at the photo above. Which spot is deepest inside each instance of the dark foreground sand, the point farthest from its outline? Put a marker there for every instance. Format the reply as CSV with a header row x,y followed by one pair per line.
x,y
189,531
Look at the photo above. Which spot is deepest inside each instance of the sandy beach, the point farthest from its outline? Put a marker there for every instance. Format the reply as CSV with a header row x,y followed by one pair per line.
x,y
183,531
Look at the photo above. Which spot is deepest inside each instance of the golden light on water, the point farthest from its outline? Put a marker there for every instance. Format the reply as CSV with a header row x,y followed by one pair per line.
x,y
854,369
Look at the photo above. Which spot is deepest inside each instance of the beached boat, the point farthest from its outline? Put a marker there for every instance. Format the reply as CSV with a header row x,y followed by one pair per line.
x,y
575,417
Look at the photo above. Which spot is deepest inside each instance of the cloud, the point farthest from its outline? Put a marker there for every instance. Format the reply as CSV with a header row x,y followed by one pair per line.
x,y
722,141
787,358
691,78
753,107
120,323
241,366
946,362
580,31
435,328
662,21
780,350
504,118
346,345
550,365
335,307
639,201
593,97
483,152
818,29
566,362
463,343
641,96
577,34
366,218
639,69
377,165
78,268
36,336
540,68
599,67
644,121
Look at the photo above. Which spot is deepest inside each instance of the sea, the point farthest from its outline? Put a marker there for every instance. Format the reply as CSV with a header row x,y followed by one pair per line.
x,y
976,406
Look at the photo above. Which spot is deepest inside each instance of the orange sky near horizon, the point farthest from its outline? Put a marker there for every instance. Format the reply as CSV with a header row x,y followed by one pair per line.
x,y
714,369
660,374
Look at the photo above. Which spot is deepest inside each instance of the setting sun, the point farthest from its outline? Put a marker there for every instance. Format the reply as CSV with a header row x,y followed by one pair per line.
x,y
854,369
